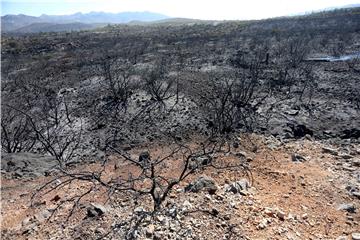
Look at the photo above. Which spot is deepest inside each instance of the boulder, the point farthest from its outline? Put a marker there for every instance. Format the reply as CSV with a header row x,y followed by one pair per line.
x,y
198,162
202,183
263,224
297,158
349,207
356,194
330,151
96,210
281,215
355,236
144,157
238,186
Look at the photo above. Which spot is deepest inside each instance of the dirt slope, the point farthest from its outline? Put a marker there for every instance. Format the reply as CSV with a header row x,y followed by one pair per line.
x,y
287,200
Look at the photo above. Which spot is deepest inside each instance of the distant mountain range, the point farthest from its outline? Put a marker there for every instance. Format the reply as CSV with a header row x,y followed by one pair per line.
x,y
79,21
356,5
54,23
345,6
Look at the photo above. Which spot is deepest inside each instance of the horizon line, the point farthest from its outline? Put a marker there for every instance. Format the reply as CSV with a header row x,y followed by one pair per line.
x,y
328,9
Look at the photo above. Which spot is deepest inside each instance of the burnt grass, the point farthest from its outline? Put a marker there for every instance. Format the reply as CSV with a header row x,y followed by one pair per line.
x,y
133,84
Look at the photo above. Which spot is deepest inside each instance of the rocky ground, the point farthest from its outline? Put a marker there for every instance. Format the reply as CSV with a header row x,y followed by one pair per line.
x,y
301,189
303,153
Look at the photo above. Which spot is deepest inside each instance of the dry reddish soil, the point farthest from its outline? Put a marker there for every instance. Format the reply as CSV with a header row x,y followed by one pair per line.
x,y
287,200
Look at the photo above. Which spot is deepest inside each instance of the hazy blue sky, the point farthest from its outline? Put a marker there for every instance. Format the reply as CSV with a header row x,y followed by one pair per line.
x,y
201,9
